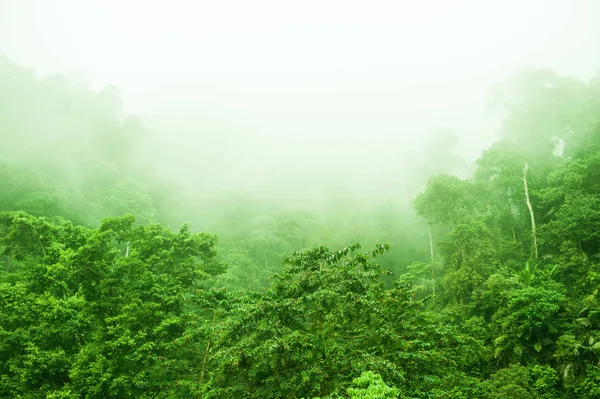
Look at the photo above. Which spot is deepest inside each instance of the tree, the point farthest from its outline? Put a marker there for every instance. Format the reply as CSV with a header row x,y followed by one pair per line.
x,y
447,200
326,317
102,313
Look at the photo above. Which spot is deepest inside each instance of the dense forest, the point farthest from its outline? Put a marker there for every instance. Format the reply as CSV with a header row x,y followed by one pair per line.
x,y
482,284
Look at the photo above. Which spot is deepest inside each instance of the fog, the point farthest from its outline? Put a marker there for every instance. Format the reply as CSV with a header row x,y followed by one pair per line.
x,y
301,95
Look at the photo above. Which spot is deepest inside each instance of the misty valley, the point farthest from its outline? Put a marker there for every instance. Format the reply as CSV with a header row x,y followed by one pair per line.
x,y
141,265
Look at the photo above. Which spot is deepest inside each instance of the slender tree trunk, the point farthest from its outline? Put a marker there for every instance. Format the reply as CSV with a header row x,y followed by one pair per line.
x,y
127,249
6,260
430,242
431,252
203,368
204,360
510,213
41,245
535,247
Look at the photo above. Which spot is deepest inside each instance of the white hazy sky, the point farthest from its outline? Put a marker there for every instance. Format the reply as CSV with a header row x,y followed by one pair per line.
x,y
305,76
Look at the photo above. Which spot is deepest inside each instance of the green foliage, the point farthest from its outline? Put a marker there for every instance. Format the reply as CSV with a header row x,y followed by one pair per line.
x,y
517,381
68,151
327,316
99,300
470,255
513,382
99,313
528,322
371,386
447,200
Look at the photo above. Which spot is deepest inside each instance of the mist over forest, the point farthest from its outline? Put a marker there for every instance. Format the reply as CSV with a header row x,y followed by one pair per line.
x,y
316,200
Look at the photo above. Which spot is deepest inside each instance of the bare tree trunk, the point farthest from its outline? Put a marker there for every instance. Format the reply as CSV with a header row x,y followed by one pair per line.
x,y
512,217
41,245
430,242
204,360
203,368
127,249
431,252
535,247
6,260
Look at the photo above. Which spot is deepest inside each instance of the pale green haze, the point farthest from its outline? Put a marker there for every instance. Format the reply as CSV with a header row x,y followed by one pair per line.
x,y
305,93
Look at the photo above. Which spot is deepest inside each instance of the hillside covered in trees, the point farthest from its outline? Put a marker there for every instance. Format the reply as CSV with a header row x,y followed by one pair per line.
x,y
480,287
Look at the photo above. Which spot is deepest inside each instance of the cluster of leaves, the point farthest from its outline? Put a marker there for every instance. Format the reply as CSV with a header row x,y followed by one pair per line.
x,y
103,313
